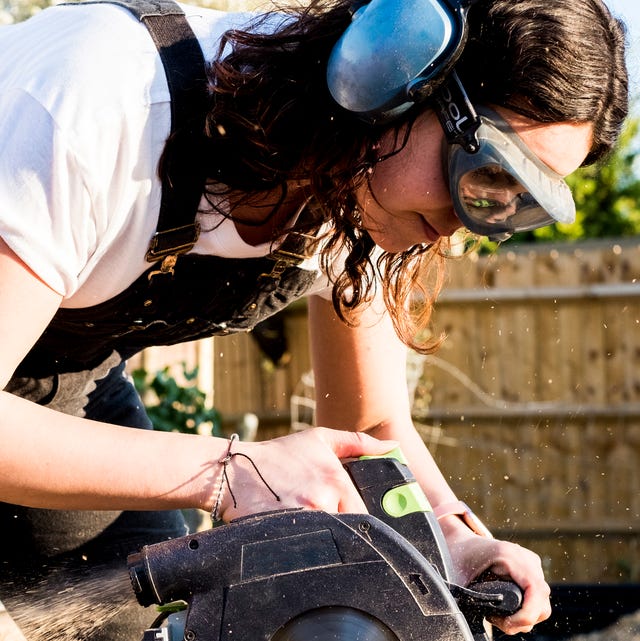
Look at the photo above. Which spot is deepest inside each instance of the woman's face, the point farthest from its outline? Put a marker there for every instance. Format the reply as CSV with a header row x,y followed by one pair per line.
x,y
407,201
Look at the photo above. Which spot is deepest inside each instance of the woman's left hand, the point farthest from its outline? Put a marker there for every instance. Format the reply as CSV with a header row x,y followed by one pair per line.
x,y
475,555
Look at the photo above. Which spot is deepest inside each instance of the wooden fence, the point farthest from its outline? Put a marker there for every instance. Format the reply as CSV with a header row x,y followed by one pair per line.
x,y
531,406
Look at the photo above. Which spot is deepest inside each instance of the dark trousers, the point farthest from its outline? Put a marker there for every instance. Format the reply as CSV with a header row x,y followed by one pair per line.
x,y
63,574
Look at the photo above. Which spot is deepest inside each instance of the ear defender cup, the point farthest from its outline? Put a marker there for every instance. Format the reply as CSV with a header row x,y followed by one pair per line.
x,y
394,54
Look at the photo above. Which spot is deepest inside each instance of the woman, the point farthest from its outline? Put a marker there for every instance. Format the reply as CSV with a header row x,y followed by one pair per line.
x,y
86,124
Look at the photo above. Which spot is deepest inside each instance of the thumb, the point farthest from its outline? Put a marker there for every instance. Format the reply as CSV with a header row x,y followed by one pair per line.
x,y
352,444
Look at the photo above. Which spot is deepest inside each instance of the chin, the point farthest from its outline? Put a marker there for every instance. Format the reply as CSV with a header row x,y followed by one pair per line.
x,y
396,245
390,246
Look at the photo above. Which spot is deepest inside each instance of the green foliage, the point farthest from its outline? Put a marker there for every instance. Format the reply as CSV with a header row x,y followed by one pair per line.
x,y
173,407
17,10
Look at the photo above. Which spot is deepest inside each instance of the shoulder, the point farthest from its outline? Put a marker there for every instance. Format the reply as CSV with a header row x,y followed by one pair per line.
x,y
63,28
85,83
73,57
209,25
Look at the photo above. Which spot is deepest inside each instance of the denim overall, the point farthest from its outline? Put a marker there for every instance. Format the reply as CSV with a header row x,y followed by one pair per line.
x,y
77,367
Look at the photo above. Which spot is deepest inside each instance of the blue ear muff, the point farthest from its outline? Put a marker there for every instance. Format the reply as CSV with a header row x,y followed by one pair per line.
x,y
395,53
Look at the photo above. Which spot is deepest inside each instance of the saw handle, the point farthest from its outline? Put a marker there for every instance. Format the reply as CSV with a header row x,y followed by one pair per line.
x,y
508,596
484,599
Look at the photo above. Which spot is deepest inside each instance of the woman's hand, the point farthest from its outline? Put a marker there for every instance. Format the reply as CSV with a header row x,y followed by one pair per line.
x,y
474,555
303,469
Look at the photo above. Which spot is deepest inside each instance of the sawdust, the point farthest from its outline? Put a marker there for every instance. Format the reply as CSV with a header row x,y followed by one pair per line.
x,y
627,628
66,607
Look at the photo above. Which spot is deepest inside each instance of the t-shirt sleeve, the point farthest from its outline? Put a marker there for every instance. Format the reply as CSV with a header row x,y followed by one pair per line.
x,y
45,208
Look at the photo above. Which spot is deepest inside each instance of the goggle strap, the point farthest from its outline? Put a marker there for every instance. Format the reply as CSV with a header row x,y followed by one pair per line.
x,y
457,116
461,4
355,5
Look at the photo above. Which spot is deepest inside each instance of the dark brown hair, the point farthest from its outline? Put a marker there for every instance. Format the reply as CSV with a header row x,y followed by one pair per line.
x,y
272,121
552,61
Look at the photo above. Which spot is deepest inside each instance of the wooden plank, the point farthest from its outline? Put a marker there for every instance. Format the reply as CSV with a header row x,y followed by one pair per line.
x,y
622,344
631,337
457,328
549,355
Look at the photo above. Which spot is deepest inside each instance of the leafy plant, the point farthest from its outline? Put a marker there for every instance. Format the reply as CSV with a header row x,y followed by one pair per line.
x,y
173,407
18,10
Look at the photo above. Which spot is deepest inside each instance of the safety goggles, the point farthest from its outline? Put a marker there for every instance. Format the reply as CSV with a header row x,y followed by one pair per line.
x,y
497,184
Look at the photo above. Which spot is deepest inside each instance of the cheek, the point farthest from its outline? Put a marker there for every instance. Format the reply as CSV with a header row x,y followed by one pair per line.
x,y
436,184
435,177
413,179
411,183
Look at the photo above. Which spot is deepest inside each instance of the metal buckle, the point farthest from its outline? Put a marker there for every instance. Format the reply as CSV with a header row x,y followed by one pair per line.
x,y
166,267
285,257
178,240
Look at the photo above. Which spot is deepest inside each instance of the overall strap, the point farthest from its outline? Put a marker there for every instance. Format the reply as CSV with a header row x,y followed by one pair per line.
x,y
184,64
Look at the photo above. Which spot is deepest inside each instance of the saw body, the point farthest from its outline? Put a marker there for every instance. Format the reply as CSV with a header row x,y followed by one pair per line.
x,y
302,575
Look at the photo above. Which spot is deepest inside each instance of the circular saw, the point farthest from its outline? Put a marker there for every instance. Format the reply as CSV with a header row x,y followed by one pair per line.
x,y
303,575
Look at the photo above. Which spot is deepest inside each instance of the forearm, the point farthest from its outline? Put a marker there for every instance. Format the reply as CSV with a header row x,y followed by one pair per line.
x,y
55,461
52,460
360,382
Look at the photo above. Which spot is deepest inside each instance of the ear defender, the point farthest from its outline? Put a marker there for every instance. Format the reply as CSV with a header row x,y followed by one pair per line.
x,y
394,54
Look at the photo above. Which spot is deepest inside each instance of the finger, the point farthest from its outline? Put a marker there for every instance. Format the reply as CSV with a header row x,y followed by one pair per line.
x,y
352,504
517,623
510,561
536,607
350,499
348,444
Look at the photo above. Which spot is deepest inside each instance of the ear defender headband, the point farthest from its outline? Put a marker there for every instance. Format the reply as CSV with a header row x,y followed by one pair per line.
x,y
394,54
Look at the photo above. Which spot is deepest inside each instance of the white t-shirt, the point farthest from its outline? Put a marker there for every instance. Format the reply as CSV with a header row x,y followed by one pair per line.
x,y
84,114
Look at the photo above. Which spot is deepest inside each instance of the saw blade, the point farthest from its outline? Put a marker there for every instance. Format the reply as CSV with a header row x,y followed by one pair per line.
x,y
334,624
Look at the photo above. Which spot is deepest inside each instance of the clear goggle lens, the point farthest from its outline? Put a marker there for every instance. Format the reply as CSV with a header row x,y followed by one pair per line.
x,y
504,188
